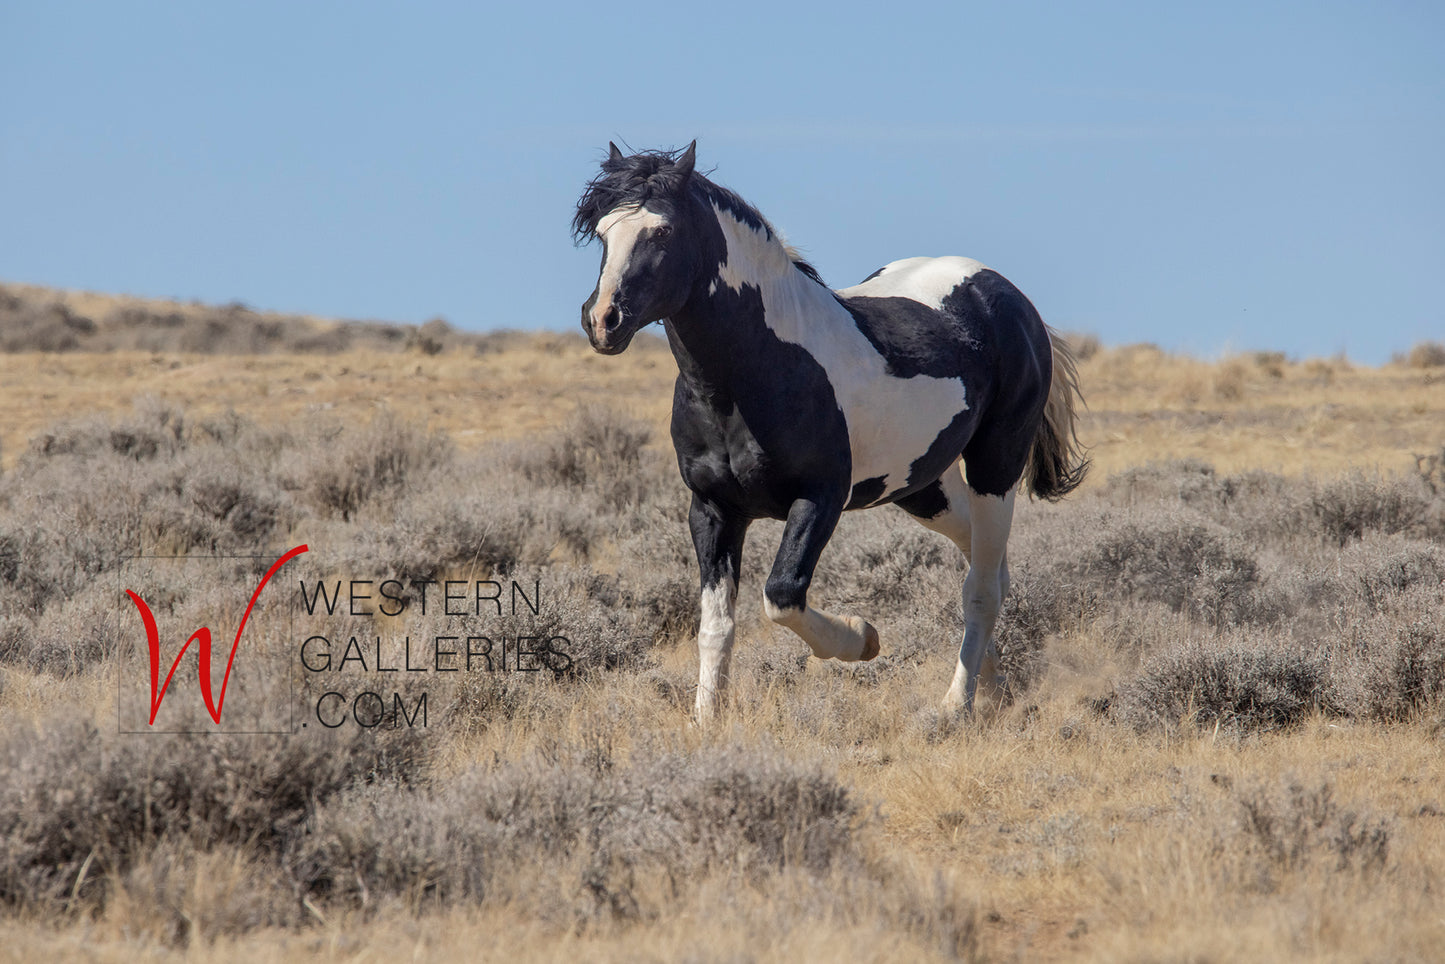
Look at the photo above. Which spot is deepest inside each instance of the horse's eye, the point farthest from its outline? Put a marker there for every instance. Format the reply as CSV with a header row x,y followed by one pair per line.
x,y
662,232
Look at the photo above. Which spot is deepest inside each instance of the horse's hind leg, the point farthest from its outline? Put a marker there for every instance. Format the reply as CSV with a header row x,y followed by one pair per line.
x,y
718,538
991,517
944,508
785,599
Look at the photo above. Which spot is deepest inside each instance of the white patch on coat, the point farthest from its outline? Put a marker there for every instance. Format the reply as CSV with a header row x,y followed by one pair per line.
x,y
619,232
891,421
925,280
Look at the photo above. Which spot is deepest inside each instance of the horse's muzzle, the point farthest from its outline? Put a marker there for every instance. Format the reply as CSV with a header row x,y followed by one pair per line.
x,y
605,329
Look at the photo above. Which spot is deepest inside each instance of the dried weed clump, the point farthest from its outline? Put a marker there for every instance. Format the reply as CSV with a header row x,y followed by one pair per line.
x,y
79,807
1292,825
324,823
620,836
1425,354
1243,682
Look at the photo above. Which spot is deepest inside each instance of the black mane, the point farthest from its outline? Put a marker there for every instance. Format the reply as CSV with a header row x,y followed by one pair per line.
x,y
638,179
625,181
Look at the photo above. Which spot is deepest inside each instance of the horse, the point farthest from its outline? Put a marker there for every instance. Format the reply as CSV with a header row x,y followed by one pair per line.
x,y
933,385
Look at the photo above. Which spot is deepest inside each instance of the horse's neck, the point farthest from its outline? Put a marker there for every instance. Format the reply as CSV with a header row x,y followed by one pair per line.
x,y
754,257
798,309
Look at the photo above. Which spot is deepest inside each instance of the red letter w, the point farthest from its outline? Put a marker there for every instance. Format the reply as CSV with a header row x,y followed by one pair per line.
x,y
153,641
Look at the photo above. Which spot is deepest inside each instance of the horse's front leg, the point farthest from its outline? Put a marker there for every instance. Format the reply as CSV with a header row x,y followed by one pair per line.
x,y
810,524
717,535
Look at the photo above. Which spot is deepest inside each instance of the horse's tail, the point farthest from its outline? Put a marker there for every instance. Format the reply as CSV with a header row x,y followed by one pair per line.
x,y
1056,463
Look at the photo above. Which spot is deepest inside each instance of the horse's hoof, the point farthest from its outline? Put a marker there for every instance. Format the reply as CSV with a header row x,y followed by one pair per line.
x,y
870,643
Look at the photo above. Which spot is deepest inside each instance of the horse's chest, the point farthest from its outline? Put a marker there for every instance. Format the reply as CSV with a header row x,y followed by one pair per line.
x,y
760,461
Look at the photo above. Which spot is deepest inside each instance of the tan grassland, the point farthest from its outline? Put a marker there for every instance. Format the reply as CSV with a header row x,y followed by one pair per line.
x,y
1063,836
1253,411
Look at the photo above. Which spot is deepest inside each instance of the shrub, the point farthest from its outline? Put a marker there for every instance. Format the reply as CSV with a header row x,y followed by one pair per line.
x,y
79,633
1241,683
1425,354
1180,560
1191,482
1430,469
1381,569
155,430
598,449
71,796
581,822
38,323
1391,664
1347,508
1037,607
355,465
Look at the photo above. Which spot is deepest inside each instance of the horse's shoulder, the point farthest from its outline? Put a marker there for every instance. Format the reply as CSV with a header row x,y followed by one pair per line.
x,y
926,280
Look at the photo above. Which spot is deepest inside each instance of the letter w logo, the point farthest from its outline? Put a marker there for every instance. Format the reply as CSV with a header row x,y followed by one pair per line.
x,y
153,641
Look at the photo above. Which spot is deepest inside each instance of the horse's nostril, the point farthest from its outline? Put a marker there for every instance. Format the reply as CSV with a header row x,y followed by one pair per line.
x,y
611,318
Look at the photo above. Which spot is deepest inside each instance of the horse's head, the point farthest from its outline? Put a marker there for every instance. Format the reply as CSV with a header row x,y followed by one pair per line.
x,y
641,209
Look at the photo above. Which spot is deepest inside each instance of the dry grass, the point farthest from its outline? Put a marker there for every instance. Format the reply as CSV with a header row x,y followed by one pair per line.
x,y
1262,411
1320,416
1224,741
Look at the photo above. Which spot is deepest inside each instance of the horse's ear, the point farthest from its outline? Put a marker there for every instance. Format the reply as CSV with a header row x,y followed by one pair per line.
x,y
613,154
688,159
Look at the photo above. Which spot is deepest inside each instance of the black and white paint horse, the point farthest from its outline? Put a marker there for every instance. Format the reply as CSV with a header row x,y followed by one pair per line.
x,y
933,385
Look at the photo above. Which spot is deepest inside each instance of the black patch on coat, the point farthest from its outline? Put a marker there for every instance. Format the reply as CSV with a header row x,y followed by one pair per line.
x,y
942,452
867,492
717,538
928,502
913,338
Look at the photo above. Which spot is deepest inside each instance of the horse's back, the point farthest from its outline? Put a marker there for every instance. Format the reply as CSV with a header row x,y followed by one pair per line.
x,y
948,317
928,281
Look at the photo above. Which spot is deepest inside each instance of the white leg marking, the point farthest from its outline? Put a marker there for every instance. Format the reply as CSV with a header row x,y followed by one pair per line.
x,y
714,646
991,517
991,676
847,638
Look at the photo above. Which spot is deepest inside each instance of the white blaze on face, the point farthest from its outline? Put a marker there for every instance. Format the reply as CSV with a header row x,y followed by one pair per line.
x,y
619,232
891,420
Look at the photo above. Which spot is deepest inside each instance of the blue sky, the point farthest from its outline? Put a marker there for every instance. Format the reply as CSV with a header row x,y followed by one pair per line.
x,y
1208,177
